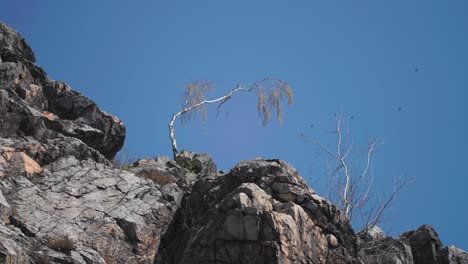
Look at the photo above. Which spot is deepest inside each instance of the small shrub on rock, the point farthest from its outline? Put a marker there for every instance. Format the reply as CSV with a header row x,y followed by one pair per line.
x,y
64,245
157,177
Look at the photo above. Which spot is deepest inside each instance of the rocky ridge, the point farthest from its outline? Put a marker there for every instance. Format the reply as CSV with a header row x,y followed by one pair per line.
x,y
63,201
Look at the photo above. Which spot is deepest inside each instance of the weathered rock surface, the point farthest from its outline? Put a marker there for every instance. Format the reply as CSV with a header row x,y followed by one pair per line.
x,y
60,198
376,248
13,47
421,246
452,255
32,104
425,244
261,212
185,172
109,214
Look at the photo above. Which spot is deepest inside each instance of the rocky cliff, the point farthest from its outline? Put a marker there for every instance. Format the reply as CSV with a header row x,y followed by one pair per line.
x,y
63,201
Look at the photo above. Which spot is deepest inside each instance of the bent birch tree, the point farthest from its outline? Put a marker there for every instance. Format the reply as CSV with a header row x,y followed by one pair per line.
x,y
270,92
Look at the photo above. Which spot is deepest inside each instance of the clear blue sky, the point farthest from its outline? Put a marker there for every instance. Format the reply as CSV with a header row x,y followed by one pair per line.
x,y
135,57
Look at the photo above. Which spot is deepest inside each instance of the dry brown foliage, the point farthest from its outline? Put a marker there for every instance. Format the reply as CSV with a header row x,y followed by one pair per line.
x,y
61,244
157,177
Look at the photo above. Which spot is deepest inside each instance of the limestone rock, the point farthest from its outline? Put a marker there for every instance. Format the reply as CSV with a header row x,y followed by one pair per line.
x,y
32,104
109,213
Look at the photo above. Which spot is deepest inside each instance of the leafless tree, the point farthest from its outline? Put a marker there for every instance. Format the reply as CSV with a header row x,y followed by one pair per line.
x,y
270,92
351,179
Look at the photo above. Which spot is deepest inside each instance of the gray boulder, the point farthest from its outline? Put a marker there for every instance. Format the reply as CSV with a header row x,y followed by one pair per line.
x,y
199,163
371,234
425,244
386,251
376,248
421,246
260,212
188,168
452,255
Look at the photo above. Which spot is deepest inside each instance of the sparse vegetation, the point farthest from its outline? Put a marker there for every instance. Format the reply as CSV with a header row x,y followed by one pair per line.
x,y
157,177
186,163
351,180
270,92
63,244
123,160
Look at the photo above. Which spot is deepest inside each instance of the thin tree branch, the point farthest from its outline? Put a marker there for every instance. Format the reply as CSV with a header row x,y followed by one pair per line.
x,y
397,186
221,100
349,189
320,145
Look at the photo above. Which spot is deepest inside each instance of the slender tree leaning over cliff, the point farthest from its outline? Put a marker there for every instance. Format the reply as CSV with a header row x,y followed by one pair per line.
x,y
269,91
351,181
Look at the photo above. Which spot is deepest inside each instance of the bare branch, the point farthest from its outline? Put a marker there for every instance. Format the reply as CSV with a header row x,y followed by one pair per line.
x,y
320,145
370,151
397,186
195,99
351,188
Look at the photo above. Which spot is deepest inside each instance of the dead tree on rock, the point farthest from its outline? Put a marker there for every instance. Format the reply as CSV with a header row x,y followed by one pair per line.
x,y
351,181
269,91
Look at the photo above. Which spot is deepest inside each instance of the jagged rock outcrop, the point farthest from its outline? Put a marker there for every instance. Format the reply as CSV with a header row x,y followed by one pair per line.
x,y
452,255
260,212
376,248
111,213
425,244
33,107
421,246
185,172
61,200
